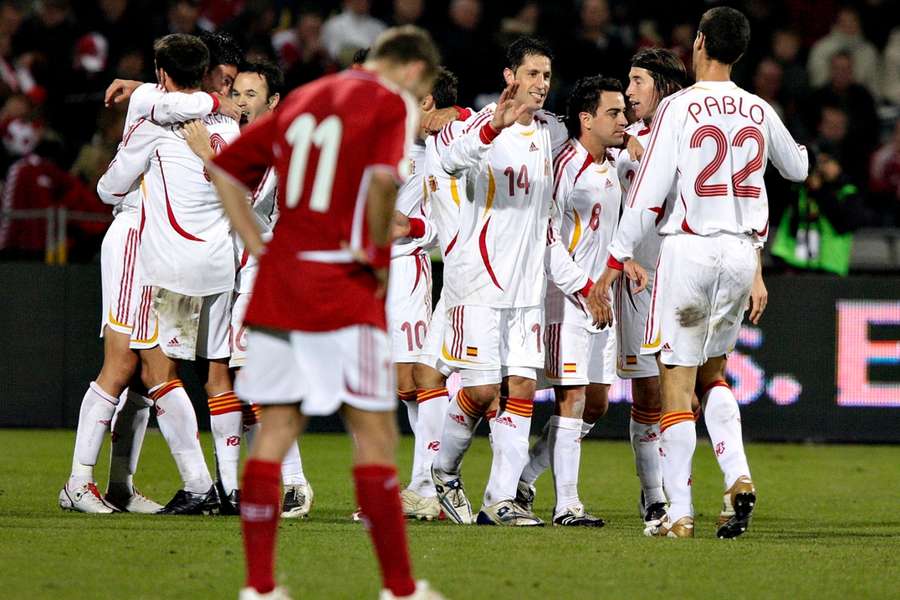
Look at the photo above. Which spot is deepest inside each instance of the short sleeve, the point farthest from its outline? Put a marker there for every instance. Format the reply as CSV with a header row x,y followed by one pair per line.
x,y
394,137
248,157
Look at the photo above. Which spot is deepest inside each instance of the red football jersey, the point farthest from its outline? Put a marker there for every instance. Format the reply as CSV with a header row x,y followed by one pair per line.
x,y
325,141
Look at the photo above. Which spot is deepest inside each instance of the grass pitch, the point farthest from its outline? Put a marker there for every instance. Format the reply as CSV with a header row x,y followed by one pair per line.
x,y
826,527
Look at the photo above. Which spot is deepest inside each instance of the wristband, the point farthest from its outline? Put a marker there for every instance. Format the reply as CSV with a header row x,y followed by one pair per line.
x,y
379,258
587,288
488,133
216,103
612,263
416,228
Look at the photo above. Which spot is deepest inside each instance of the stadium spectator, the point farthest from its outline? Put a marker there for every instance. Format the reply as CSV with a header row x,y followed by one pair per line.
x,y
884,178
350,30
300,51
597,41
816,231
215,13
464,43
182,17
846,36
767,84
252,29
891,67
785,52
407,12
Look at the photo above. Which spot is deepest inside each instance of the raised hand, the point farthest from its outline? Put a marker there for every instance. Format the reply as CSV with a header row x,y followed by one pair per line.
x,y
120,90
508,108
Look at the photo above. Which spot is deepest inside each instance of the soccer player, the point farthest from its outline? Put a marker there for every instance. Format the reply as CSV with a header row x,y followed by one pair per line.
x,y
256,91
337,161
494,282
187,267
579,362
712,140
409,307
655,74
107,404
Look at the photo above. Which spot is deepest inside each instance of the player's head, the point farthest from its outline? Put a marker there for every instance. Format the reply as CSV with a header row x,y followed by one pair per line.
x,y
655,73
596,111
181,61
722,36
528,62
407,57
257,89
224,58
443,92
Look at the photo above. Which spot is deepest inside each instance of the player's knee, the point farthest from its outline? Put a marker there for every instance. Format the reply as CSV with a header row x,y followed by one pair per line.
x,y
427,378
645,394
521,387
596,404
118,369
570,402
483,395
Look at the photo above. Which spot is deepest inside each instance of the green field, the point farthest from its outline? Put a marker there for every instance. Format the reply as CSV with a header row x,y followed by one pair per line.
x,y
827,526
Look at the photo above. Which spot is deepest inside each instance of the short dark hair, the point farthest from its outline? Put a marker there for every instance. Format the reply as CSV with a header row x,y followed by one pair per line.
x,y
267,70
727,33
667,70
223,50
445,88
183,57
360,56
407,44
526,46
585,97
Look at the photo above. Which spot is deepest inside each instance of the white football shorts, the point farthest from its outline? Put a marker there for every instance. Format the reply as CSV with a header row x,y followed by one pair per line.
x,y
320,370
431,350
632,312
408,305
119,273
702,290
184,327
578,356
486,343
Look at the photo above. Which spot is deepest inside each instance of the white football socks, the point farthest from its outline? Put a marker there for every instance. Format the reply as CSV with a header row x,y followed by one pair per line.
x,y
225,422
645,444
94,417
178,425
538,457
292,467
432,407
723,422
462,418
564,439
128,428
509,431
678,441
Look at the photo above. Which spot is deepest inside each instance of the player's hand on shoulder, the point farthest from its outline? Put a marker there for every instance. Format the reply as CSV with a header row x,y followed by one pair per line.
x,y
508,108
433,121
634,148
228,107
197,137
120,90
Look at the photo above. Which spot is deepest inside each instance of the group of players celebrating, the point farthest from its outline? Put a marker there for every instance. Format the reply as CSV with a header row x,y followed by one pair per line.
x,y
536,218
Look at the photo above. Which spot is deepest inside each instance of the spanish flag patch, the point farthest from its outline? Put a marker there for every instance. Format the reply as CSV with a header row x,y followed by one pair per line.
x,y
570,367
471,351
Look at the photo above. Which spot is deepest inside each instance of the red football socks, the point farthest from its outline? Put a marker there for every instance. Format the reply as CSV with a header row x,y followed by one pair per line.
x,y
378,495
260,509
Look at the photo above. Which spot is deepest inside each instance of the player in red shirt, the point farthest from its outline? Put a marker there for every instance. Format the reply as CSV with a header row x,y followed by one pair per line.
x,y
318,340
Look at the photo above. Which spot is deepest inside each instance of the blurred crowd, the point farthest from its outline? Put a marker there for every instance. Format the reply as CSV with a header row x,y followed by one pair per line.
x,y
831,70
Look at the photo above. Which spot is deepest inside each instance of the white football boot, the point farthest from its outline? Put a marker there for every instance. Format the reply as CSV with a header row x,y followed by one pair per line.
x,y
508,513
298,500
452,496
423,592
136,503
85,498
419,507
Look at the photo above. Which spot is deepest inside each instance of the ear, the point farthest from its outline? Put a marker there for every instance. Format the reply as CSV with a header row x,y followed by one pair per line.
x,y
508,76
700,40
427,103
585,118
274,100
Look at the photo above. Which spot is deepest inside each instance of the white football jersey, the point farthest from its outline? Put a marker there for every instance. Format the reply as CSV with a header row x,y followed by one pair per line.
x,y
443,193
411,202
712,141
587,196
186,243
151,101
498,257
264,201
